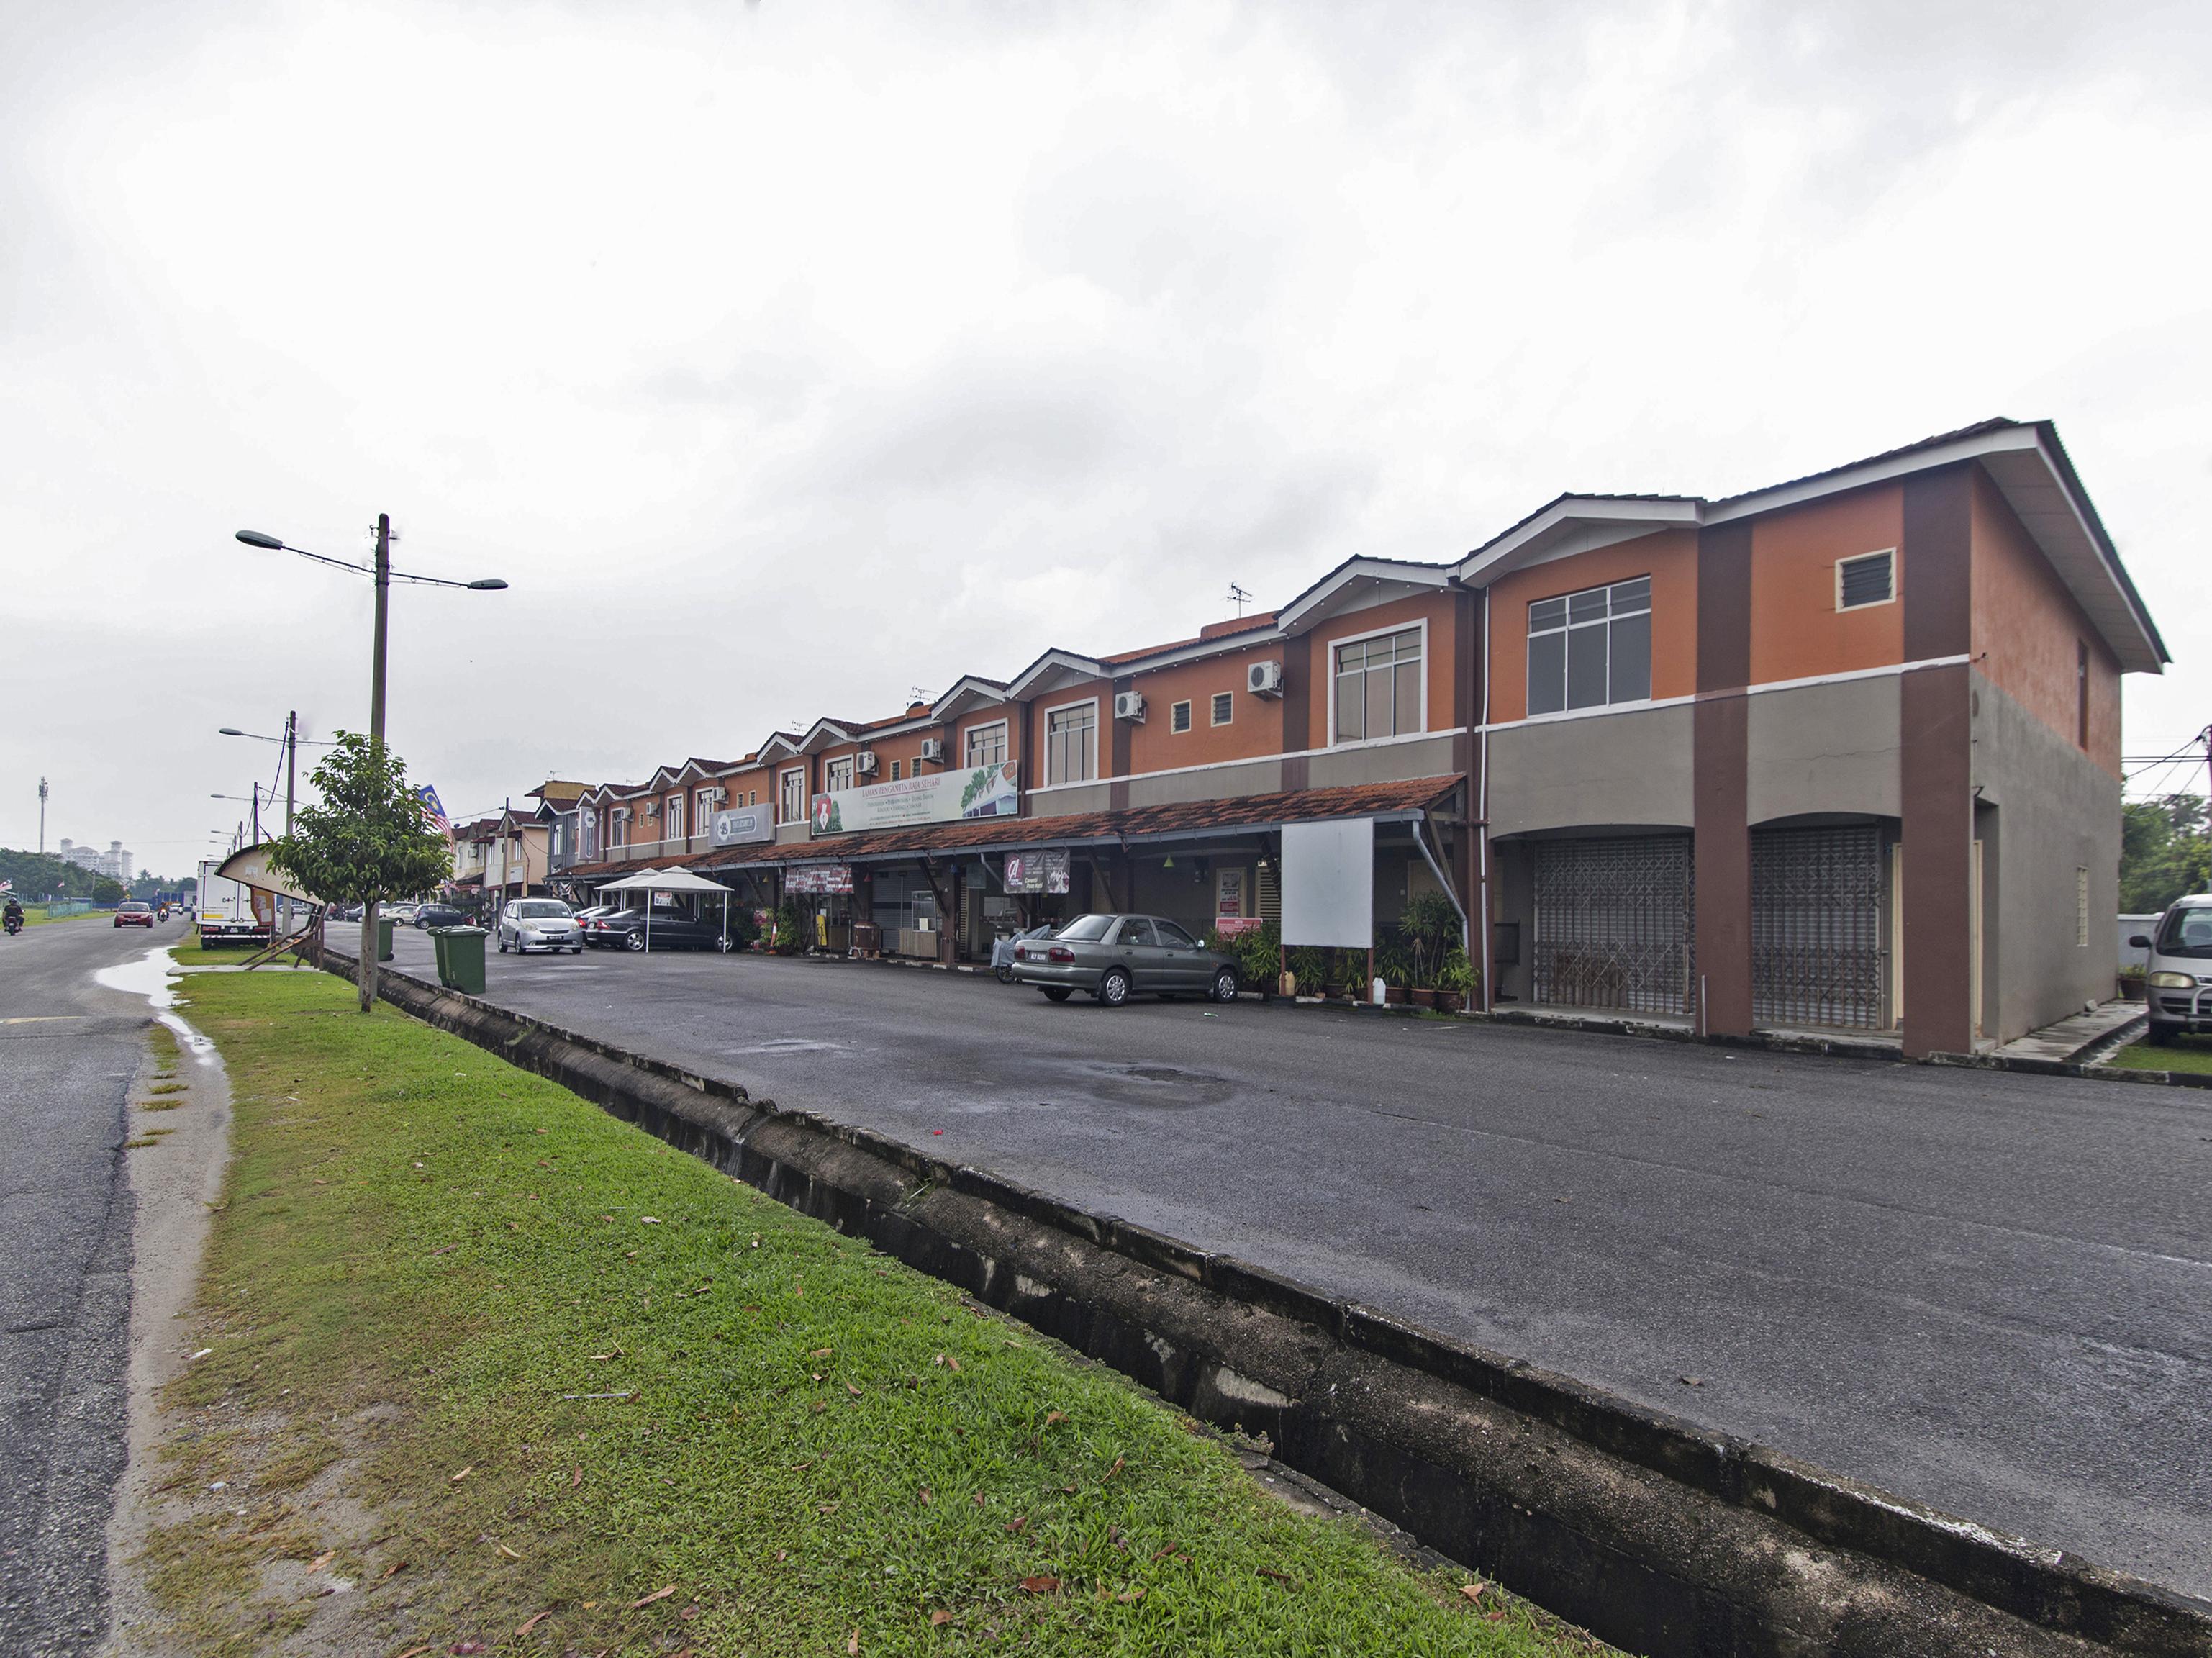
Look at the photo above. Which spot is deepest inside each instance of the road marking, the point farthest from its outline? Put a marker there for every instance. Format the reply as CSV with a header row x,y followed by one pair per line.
x,y
44,1018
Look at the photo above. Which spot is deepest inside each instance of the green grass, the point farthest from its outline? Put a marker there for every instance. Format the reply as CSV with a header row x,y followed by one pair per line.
x,y
37,915
2182,1054
825,1452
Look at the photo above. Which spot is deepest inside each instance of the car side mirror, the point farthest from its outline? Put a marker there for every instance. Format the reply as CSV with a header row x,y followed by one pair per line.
x,y
2138,941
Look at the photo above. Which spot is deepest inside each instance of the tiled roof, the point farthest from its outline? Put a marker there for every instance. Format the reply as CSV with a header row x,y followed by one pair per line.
x,y
1979,428
554,792
1211,633
1132,823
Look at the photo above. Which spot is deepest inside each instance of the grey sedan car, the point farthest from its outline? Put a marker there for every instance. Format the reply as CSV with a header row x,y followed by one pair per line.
x,y
529,924
1114,957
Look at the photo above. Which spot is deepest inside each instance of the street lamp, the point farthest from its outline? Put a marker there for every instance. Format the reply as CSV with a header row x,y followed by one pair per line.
x,y
253,800
383,575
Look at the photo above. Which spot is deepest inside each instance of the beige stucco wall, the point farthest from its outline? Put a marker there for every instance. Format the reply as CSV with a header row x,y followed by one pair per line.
x,y
1381,763
1823,747
1627,767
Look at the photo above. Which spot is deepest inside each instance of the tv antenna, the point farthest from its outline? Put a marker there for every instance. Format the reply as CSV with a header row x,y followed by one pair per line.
x,y
1239,598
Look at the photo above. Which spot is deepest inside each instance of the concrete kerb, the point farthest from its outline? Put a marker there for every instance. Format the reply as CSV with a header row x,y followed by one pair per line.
x,y
1659,1535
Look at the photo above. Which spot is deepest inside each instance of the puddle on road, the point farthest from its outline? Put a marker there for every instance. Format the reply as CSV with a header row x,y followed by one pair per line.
x,y
154,975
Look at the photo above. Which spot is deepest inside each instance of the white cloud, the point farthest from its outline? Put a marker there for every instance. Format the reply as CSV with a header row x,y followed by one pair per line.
x,y
884,345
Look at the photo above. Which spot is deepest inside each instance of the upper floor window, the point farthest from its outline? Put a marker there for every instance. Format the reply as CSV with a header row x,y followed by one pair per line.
x,y
1224,706
618,827
1587,649
672,828
895,773
1071,744
987,744
1869,579
837,775
702,810
1378,687
1179,717
791,798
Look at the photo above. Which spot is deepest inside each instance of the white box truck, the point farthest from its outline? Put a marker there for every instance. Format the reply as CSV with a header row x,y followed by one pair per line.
x,y
226,913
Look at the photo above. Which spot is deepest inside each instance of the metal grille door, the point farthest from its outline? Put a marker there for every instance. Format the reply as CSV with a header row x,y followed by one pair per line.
x,y
1816,955
1614,923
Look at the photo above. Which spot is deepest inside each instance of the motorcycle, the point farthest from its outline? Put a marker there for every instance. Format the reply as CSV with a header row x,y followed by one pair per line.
x,y
15,925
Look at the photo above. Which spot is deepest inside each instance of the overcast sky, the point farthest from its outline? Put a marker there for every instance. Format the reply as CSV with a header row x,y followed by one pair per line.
x,y
787,358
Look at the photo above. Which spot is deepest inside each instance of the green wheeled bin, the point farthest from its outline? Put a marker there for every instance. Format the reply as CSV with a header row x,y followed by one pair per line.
x,y
460,958
384,937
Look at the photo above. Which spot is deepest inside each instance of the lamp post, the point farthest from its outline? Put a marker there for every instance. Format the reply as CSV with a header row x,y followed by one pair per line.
x,y
254,800
383,575
289,742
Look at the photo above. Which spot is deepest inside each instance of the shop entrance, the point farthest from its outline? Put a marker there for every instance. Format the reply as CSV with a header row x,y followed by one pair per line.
x,y
1816,945
1615,923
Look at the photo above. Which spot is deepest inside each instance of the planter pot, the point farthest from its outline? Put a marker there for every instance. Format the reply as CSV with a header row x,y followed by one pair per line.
x,y
1393,995
1421,997
2131,990
1447,1001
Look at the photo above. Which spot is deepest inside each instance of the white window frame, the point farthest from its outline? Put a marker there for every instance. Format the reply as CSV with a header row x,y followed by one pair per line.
x,y
895,773
1889,553
805,807
1228,698
1179,718
702,810
1331,646
844,767
672,817
1090,702
970,734
1651,609
618,822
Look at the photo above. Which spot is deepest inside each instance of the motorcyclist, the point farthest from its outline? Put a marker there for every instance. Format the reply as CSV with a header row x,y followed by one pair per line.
x,y
12,916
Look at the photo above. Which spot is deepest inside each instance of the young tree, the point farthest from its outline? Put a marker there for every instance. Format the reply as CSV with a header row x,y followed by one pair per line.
x,y
366,844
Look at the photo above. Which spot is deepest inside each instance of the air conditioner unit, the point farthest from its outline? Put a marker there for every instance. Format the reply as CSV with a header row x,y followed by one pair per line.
x,y
1264,679
1130,706
864,763
932,747
651,810
717,796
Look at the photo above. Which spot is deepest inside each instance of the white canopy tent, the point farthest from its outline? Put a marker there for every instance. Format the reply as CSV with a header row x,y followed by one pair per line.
x,y
672,880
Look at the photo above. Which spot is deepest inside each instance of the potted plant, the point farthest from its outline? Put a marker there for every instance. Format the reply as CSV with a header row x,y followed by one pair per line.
x,y
1457,981
1393,965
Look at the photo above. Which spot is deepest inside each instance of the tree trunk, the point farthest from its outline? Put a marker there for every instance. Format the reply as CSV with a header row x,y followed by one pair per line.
x,y
368,976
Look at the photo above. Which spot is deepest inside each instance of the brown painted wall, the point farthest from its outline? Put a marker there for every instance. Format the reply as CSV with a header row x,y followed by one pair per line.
x,y
1255,726
1670,558
1936,735
1796,629
1721,749
2026,626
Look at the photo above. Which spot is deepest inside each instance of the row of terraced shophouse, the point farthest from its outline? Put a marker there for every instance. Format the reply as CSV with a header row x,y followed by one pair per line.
x,y
1841,753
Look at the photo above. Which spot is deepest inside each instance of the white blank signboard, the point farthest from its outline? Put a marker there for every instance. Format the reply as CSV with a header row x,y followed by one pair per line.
x,y
1329,883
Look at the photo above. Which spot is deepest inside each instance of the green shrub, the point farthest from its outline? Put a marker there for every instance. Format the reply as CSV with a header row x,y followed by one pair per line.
x,y
791,929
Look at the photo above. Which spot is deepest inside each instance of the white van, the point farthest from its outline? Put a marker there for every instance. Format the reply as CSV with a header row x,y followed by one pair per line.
x,y
2178,990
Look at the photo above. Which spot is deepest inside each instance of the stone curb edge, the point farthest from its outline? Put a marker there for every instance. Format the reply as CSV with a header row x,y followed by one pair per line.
x,y
1660,1535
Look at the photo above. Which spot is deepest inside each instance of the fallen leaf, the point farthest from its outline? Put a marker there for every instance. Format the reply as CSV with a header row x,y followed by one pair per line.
x,y
1039,1586
979,1499
851,1389
827,1508
821,1353
1021,1523
853,1644
507,1552
1052,1417
690,1612
1691,1381
535,1618
1473,1591
464,1647
941,1616
392,1570
575,1477
1495,1617
1129,1596
1115,1469
1279,1576
926,1498
647,1599
648,1220
462,1475
448,1250
322,1560
953,1364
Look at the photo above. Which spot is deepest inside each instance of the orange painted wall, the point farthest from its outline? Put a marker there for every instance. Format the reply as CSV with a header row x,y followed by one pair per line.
x,y
2027,628
1033,716
1669,557
1255,725
1443,663
1796,629
749,780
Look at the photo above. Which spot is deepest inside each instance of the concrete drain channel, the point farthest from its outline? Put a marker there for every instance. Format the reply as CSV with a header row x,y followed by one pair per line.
x,y
1663,1538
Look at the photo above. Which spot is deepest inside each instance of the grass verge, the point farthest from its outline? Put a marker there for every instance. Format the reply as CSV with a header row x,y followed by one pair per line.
x,y
572,1373
2182,1054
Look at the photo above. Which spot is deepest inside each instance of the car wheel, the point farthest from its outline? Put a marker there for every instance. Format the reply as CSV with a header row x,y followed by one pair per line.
x,y
577,950
724,946
1225,985
1005,973
1114,988
636,942
502,943
2160,1035
1055,992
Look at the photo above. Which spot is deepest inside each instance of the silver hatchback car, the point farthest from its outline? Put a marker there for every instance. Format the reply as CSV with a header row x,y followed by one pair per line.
x,y
1114,957
528,924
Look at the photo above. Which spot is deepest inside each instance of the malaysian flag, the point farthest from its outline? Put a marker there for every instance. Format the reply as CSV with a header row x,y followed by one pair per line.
x,y
433,810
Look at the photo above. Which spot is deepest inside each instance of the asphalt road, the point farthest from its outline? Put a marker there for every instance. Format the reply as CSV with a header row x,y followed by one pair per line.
x,y
1986,1292
68,1051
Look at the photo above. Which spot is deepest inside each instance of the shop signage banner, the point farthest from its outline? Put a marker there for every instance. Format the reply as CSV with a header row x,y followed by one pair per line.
x,y
738,826
821,878
1329,883
956,793
1036,871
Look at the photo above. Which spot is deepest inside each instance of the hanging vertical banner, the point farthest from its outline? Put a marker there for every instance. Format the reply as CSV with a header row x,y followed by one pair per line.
x,y
1037,872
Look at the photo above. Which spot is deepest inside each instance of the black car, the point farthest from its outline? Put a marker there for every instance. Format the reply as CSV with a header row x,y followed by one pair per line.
x,y
430,915
624,929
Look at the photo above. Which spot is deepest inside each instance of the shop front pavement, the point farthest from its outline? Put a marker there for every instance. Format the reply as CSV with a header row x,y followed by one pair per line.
x,y
1988,1291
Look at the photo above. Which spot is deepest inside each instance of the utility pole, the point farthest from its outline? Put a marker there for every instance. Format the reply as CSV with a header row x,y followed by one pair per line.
x,y
383,574
291,768
42,818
